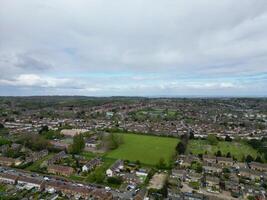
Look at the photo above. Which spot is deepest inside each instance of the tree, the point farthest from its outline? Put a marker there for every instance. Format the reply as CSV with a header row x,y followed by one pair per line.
x,y
228,138
180,148
34,141
249,158
212,139
258,159
192,136
219,153
196,166
2,126
137,162
78,144
114,180
228,155
113,141
97,177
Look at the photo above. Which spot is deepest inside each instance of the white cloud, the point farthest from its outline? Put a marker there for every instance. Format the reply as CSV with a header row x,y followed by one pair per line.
x,y
44,43
28,80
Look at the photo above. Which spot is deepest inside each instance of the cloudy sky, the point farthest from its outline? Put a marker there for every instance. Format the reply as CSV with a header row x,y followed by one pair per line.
x,y
140,47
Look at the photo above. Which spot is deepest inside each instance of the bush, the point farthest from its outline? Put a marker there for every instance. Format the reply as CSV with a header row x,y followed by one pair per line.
x,y
180,148
113,141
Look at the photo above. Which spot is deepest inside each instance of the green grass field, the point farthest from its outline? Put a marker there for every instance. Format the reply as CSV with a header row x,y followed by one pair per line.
x,y
238,150
147,149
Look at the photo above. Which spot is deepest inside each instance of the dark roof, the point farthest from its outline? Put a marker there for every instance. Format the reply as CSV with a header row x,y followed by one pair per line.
x,y
30,180
8,176
225,159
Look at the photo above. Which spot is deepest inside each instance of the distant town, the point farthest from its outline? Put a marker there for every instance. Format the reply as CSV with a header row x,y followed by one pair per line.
x,y
76,147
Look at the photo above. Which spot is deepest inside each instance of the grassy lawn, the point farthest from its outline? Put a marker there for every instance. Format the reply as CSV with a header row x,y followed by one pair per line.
x,y
147,149
238,150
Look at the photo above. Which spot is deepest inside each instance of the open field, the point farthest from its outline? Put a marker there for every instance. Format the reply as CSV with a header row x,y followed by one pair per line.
x,y
146,149
238,150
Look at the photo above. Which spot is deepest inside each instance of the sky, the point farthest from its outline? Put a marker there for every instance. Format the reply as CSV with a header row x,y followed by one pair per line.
x,y
133,48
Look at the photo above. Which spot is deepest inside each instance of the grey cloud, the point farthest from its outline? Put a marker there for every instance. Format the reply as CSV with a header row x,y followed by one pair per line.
x,y
201,38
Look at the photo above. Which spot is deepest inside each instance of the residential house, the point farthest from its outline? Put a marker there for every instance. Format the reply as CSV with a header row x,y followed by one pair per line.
x,y
16,147
258,166
60,170
8,178
238,165
99,194
249,173
72,132
232,185
141,172
29,183
212,169
194,177
212,182
116,168
5,161
209,159
36,156
179,173
57,157
141,194
185,161
59,145
193,196
67,188
223,161
91,143
91,164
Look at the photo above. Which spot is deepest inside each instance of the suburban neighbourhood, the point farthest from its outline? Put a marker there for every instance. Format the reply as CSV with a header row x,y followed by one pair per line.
x,y
133,148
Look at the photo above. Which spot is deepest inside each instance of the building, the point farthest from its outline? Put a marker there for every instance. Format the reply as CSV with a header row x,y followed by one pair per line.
x,y
258,166
193,196
212,182
249,173
141,172
57,157
8,178
99,194
141,194
223,161
212,169
115,168
209,159
179,173
60,170
91,143
72,132
29,183
59,145
91,164
5,161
